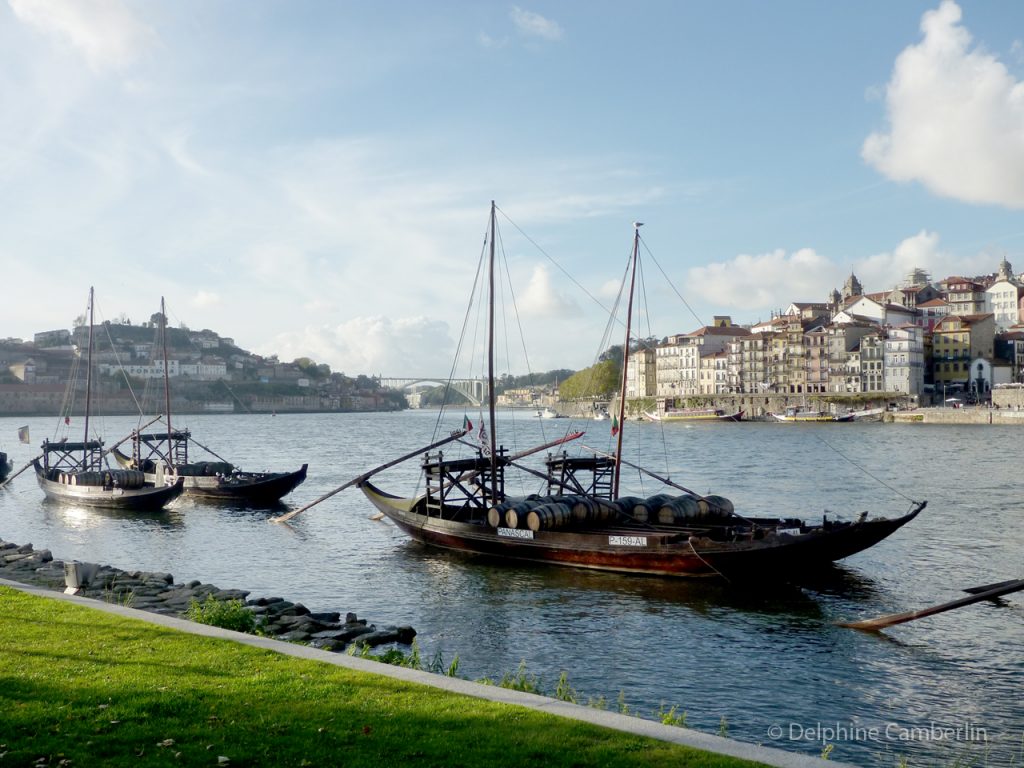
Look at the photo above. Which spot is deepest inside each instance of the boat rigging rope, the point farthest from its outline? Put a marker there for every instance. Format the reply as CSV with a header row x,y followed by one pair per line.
x,y
866,472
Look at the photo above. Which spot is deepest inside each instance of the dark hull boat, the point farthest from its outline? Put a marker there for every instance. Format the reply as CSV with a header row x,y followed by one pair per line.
x,y
5,466
580,519
166,455
720,546
212,480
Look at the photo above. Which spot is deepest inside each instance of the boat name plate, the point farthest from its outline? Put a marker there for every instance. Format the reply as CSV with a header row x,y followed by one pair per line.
x,y
627,541
789,531
515,533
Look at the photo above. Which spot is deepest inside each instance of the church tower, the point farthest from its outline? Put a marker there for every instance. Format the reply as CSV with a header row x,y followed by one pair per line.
x,y
852,287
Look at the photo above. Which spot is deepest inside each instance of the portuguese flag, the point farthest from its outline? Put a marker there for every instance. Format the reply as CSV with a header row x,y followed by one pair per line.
x,y
467,425
615,425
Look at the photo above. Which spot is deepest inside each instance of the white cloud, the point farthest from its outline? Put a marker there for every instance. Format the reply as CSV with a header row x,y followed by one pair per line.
x,y
206,299
765,281
886,270
372,345
756,285
956,118
486,41
542,300
534,25
104,32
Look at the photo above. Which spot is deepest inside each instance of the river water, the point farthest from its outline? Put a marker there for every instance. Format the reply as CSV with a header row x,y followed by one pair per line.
x,y
765,665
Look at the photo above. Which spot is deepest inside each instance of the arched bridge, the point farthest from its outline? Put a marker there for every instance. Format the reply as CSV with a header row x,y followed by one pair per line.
x,y
475,390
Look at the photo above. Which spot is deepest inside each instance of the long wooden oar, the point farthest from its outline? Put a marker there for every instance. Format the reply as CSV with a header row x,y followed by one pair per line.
x,y
995,590
5,482
987,587
367,475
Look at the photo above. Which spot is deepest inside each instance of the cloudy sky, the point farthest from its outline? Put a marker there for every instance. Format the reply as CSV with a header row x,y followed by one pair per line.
x,y
313,178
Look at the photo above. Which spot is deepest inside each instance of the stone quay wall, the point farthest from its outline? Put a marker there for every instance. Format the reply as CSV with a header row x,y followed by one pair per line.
x,y
157,593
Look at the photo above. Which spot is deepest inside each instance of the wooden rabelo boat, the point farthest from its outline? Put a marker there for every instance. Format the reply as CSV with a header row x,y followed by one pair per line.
x,y
216,480
163,455
578,517
77,472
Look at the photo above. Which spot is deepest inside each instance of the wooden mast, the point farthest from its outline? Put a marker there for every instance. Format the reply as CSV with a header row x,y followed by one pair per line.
x,y
167,387
492,440
625,361
88,388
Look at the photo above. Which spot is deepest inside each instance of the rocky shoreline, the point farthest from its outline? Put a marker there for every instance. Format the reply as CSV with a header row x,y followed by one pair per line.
x,y
157,593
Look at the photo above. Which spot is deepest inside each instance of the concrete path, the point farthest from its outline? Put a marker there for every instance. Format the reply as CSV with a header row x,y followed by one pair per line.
x,y
635,725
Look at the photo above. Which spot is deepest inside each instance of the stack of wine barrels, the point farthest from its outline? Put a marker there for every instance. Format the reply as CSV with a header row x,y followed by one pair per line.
x,y
85,478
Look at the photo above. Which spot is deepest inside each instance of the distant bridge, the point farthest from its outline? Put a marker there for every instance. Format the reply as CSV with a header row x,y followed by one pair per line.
x,y
474,390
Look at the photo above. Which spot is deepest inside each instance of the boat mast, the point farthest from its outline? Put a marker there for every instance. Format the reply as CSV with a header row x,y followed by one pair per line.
x,y
88,388
625,361
167,386
490,367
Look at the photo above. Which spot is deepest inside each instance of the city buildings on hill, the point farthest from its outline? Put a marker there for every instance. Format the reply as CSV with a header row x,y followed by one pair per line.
x,y
207,373
960,334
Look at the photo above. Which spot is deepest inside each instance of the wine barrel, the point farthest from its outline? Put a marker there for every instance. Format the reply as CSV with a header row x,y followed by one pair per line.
x,y
632,506
127,478
715,506
548,517
679,510
586,509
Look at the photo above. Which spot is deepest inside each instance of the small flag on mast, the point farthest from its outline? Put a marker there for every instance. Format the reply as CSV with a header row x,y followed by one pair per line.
x,y
485,445
23,434
615,425
467,425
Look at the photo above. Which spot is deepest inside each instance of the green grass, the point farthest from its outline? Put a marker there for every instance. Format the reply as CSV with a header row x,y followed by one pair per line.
x,y
90,688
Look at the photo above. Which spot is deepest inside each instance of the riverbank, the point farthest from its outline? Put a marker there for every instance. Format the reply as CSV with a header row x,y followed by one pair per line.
x,y
967,415
157,593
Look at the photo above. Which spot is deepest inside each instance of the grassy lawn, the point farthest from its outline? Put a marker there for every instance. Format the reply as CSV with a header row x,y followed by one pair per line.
x,y
81,687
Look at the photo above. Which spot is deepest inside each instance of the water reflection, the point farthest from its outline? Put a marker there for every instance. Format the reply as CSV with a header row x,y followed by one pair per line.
x,y
75,516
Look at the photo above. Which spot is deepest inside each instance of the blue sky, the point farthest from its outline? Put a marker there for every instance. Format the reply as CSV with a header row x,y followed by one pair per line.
x,y
313,178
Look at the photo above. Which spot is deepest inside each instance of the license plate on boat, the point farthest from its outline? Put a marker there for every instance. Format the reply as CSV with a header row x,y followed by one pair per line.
x,y
627,541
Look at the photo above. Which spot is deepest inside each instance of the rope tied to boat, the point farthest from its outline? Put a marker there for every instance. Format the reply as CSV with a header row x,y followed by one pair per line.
x,y
709,565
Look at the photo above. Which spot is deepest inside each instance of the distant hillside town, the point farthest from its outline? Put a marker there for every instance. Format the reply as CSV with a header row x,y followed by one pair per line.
x,y
207,373
923,340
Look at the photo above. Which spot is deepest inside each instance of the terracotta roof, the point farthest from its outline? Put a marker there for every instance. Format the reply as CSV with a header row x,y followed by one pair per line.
x,y
721,330
936,302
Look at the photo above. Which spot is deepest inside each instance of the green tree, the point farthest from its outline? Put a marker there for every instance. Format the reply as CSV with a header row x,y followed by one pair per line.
x,y
599,380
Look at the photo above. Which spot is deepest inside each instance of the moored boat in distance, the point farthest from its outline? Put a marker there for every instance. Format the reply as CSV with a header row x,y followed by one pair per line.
x,y
166,455
806,416
695,414
77,473
579,518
